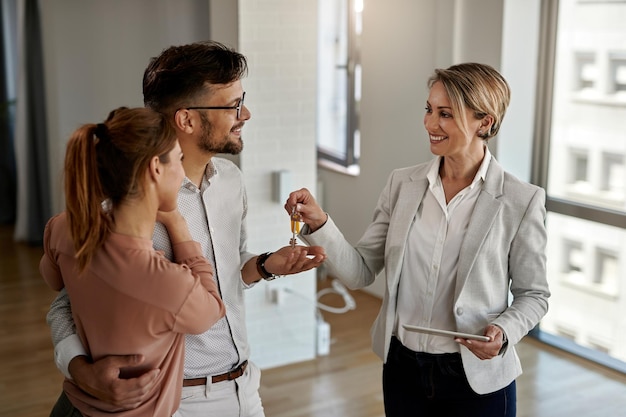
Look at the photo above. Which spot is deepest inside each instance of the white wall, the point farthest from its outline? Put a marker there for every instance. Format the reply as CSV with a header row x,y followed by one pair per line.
x,y
520,56
403,41
95,54
279,39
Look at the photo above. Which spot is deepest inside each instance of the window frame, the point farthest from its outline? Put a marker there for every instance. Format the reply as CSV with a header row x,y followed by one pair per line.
x,y
549,13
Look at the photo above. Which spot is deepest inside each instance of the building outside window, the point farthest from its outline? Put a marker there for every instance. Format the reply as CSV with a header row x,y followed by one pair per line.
x,y
585,179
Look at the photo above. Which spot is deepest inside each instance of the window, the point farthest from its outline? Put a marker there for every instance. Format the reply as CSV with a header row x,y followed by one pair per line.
x,y
606,268
579,168
581,162
586,72
618,73
613,173
339,84
573,257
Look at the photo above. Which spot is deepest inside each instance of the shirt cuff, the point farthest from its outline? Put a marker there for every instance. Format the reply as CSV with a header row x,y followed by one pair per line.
x,y
66,350
505,341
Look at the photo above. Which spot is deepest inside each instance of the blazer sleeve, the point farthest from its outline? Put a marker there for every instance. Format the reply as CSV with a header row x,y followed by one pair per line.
x,y
527,272
357,266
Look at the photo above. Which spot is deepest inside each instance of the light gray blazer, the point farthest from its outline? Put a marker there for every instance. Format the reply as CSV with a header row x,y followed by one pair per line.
x,y
504,248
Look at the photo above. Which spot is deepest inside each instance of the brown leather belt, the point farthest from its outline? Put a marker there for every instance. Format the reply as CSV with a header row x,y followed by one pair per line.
x,y
228,376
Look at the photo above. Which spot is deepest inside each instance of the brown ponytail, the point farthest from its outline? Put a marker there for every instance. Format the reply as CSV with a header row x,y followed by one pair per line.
x,y
88,221
104,164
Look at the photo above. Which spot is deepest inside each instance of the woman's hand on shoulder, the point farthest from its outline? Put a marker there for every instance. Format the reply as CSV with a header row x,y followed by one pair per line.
x,y
175,224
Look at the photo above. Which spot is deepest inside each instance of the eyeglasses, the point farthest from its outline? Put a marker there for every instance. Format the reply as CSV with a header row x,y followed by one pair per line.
x,y
237,107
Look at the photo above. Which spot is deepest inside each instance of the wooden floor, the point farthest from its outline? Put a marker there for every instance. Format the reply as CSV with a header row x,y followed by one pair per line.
x,y
345,383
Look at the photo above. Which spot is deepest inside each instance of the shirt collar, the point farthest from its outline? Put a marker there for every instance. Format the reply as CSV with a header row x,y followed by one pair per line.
x,y
484,166
210,171
433,170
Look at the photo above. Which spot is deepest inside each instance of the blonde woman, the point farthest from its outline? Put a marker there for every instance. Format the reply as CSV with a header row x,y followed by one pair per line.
x,y
453,236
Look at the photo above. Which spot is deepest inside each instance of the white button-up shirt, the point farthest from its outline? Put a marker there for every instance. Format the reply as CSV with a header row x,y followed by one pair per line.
x,y
429,269
215,213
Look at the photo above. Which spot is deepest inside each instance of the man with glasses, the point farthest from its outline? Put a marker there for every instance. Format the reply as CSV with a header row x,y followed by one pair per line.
x,y
199,87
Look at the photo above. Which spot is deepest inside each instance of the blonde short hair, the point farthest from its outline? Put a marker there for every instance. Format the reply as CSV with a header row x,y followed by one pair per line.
x,y
478,87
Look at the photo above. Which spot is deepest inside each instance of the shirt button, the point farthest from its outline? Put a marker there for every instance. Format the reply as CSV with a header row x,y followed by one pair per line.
x,y
459,311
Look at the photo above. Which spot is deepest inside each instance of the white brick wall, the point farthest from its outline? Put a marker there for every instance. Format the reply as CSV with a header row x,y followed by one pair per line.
x,y
279,39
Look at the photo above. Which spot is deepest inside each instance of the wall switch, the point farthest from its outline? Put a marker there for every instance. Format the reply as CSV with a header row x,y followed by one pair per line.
x,y
281,185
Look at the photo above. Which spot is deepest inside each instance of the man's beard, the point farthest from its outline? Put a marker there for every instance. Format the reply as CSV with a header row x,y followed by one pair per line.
x,y
206,144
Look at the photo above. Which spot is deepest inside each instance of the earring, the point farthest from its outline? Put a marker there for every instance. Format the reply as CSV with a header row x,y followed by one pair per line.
x,y
480,133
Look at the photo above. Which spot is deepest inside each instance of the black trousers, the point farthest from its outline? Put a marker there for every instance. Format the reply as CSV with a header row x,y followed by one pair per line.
x,y
423,384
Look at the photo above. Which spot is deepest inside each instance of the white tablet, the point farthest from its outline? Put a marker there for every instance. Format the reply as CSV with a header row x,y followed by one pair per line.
x,y
438,332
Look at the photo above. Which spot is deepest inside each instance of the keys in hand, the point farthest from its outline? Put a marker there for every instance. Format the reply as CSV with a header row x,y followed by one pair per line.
x,y
296,219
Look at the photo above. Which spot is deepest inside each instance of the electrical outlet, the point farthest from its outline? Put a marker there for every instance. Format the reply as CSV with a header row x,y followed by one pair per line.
x,y
275,295
323,338
279,296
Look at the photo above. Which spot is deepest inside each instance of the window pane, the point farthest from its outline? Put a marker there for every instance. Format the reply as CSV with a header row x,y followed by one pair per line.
x,y
586,270
587,172
333,77
588,138
618,72
339,84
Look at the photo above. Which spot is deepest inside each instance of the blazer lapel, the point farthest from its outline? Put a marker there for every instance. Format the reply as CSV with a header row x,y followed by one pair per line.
x,y
483,216
410,195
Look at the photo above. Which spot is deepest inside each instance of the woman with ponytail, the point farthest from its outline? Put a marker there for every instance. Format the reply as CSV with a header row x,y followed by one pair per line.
x,y
121,177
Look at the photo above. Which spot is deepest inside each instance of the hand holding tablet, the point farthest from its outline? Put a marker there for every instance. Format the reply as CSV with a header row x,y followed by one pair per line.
x,y
439,332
